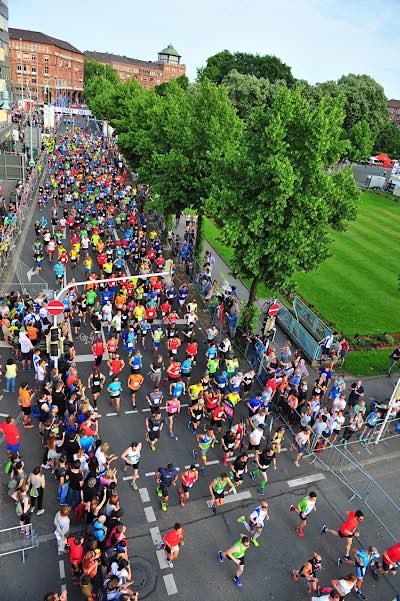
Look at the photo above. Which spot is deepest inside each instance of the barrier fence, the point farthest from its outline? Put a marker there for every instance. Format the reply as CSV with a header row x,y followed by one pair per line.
x,y
310,320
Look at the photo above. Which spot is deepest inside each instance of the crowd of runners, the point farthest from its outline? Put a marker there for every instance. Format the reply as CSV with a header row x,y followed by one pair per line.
x,y
92,217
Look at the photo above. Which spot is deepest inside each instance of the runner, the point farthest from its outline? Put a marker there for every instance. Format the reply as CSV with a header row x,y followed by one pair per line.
x,y
135,381
303,509
95,383
362,559
309,571
390,562
217,490
172,542
255,523
165,477
236,553
154,425
263,462
131,456
205,442
189,478
347,530
173,408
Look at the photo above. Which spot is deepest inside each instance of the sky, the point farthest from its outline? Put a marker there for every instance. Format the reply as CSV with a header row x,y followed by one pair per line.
x,y
320,39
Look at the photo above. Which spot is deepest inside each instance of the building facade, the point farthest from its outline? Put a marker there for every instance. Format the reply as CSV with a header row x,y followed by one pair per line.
x,y
148,73
45,68
394,110
5,84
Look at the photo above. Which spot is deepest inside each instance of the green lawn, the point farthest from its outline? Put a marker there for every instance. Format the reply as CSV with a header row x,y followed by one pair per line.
x,y
367,363
357,288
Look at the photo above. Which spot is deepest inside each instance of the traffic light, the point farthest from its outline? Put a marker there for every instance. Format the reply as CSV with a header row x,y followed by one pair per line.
x,y
54,342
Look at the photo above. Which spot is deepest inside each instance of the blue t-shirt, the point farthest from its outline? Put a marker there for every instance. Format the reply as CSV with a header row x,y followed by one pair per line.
x,y
254,403
178,389
167,477
186,366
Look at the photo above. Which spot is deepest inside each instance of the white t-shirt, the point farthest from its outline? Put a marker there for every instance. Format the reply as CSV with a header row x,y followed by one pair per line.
x,y
256,436
339,404
344,587
324,598
101,458
258,419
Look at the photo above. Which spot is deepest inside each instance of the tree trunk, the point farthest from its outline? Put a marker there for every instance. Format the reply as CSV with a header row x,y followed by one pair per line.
x,y
253,292
199,237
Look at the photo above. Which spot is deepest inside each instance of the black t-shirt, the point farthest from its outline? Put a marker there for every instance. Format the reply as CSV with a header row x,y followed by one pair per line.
x,y
74,480
239,465
266,460
71,447
59,399
154,424
229,439
395,356
89,492
61,472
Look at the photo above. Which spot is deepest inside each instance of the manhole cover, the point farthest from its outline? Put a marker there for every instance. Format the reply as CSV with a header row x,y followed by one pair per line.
x,y
144,576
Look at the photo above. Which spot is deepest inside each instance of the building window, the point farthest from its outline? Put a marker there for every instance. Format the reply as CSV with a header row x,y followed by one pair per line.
x,y
27,57
46,70
33,70
34,80
33,57
46,59
19,68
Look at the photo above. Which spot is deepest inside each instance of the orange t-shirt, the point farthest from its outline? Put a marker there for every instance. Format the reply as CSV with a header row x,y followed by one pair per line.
x,y
25,397
135,381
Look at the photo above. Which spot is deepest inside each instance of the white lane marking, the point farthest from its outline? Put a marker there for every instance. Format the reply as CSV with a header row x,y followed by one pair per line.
x,y
111,414
162,559
61,567
156,536
144,495
4,414
213,462
131,411
305,480
250,455
232,497
84,358
150,515
63,587
150,474
170,585
127,478
4,344
146,409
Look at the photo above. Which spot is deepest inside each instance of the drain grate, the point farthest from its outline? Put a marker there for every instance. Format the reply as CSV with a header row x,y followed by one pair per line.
x,y
144,576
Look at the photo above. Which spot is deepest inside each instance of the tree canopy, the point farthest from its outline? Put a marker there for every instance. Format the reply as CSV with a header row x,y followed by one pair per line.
x,y
267,66
93,68
248,91
273,197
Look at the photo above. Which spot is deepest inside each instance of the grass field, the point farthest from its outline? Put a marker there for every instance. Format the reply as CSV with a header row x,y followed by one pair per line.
x,y
357,288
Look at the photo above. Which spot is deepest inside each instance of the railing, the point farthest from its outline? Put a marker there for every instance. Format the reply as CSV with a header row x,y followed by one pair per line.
x,y
297,332
310,320
13,541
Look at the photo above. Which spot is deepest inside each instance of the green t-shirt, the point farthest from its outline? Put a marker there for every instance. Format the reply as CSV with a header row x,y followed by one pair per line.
x,y
91,296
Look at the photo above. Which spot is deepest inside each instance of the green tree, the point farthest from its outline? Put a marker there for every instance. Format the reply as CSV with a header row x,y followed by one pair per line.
x,y
388,140
274,199
365,101
361,141
248,91
93,68
182,81
269,67
178,138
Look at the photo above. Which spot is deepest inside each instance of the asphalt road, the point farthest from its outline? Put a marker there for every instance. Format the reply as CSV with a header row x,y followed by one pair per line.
x,y
197,575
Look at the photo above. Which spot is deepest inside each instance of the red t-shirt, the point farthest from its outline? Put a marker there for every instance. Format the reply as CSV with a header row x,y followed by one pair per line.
x,y
98,349
218,413
191,349
116,366
174,370
173,538
165,308
271,384
151,312
151,253
76,551
173,344
393,554
351,524
11,433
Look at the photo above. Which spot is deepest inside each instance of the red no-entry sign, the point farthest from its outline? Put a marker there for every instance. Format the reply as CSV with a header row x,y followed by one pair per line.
x,y
273,310
55,307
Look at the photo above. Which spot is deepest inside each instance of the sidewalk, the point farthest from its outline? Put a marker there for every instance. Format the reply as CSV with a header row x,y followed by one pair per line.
x,y
377,387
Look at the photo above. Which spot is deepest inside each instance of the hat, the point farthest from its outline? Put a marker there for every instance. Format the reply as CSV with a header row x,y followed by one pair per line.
x,y
261,426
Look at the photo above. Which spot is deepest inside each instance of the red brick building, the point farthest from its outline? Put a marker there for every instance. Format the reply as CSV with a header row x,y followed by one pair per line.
x,y
394,110
45,67
148,73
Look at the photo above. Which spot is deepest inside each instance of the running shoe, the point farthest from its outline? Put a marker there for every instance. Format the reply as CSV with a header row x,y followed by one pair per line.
x,y
164,507
152,447
292,508
158,490
171,435
339,562
261,492
300,532
202,471
361,595
295,575
241,519
170,563
324,529
238,581
255,542
253,476
194,454
134,485
220,557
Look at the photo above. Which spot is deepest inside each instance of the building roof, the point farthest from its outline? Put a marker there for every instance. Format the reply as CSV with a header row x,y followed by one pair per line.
x,y
170,50
40,38
394,104
106,57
